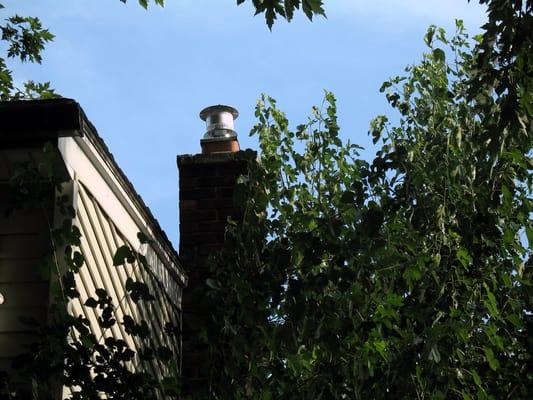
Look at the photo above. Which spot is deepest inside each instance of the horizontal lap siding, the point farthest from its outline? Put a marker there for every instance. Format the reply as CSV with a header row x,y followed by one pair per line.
x,y
23,295
10,318
11,344
24,254
22,269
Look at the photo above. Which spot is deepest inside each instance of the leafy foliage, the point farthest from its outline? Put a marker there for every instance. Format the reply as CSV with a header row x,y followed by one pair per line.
x,y
504,63
286,8
407,277
25,38
144,3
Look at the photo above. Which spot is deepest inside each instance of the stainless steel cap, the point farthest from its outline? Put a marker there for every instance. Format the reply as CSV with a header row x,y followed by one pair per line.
x,y
219,121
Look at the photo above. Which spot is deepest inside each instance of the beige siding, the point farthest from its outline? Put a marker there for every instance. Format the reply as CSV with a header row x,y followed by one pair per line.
x,y
24,252
100,239
107,218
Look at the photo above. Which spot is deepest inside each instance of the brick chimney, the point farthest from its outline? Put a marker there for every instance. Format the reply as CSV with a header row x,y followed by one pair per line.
x,y
206,184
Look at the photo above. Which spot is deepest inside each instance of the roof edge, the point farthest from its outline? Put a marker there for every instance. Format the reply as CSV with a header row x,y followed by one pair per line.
x,y
41,120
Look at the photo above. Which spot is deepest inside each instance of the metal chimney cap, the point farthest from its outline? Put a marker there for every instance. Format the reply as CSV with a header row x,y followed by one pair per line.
x,y
219,122
217,109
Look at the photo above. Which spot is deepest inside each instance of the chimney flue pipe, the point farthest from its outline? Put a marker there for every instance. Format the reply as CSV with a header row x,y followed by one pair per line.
x,y
220,135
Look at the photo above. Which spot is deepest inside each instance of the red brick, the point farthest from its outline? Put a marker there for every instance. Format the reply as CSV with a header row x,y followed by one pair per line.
x,y
212,226
200,238
215,203
188,182
197,215
231,168
216,181
189,204
208,249
197,194
224,192
188,226
195,171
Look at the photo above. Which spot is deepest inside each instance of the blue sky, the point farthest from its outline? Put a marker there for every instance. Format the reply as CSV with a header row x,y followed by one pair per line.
x,y
143,76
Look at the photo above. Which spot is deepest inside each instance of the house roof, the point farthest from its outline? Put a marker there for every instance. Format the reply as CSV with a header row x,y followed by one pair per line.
x,y
35,121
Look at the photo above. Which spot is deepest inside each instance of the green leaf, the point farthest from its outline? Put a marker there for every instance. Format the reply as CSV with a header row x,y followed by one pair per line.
x,y
213,284
429,35
529,234
240,195
312,7
381,347
491,303
477,379
123,255
439,55
143,239
494,364
464,258
348,197
434,354
101,293
78,259
91,302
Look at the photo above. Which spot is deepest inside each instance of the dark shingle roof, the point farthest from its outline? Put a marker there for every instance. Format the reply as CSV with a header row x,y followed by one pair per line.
x,y
35,121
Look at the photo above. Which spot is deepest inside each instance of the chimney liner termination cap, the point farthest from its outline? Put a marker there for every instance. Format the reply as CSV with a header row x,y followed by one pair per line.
x,y
219,122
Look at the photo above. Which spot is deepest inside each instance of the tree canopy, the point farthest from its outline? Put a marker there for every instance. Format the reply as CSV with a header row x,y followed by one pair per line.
x,y
405,277
25,40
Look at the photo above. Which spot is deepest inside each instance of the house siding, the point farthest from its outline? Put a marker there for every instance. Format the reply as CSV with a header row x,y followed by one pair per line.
x,y
24,254
99,241
109,214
